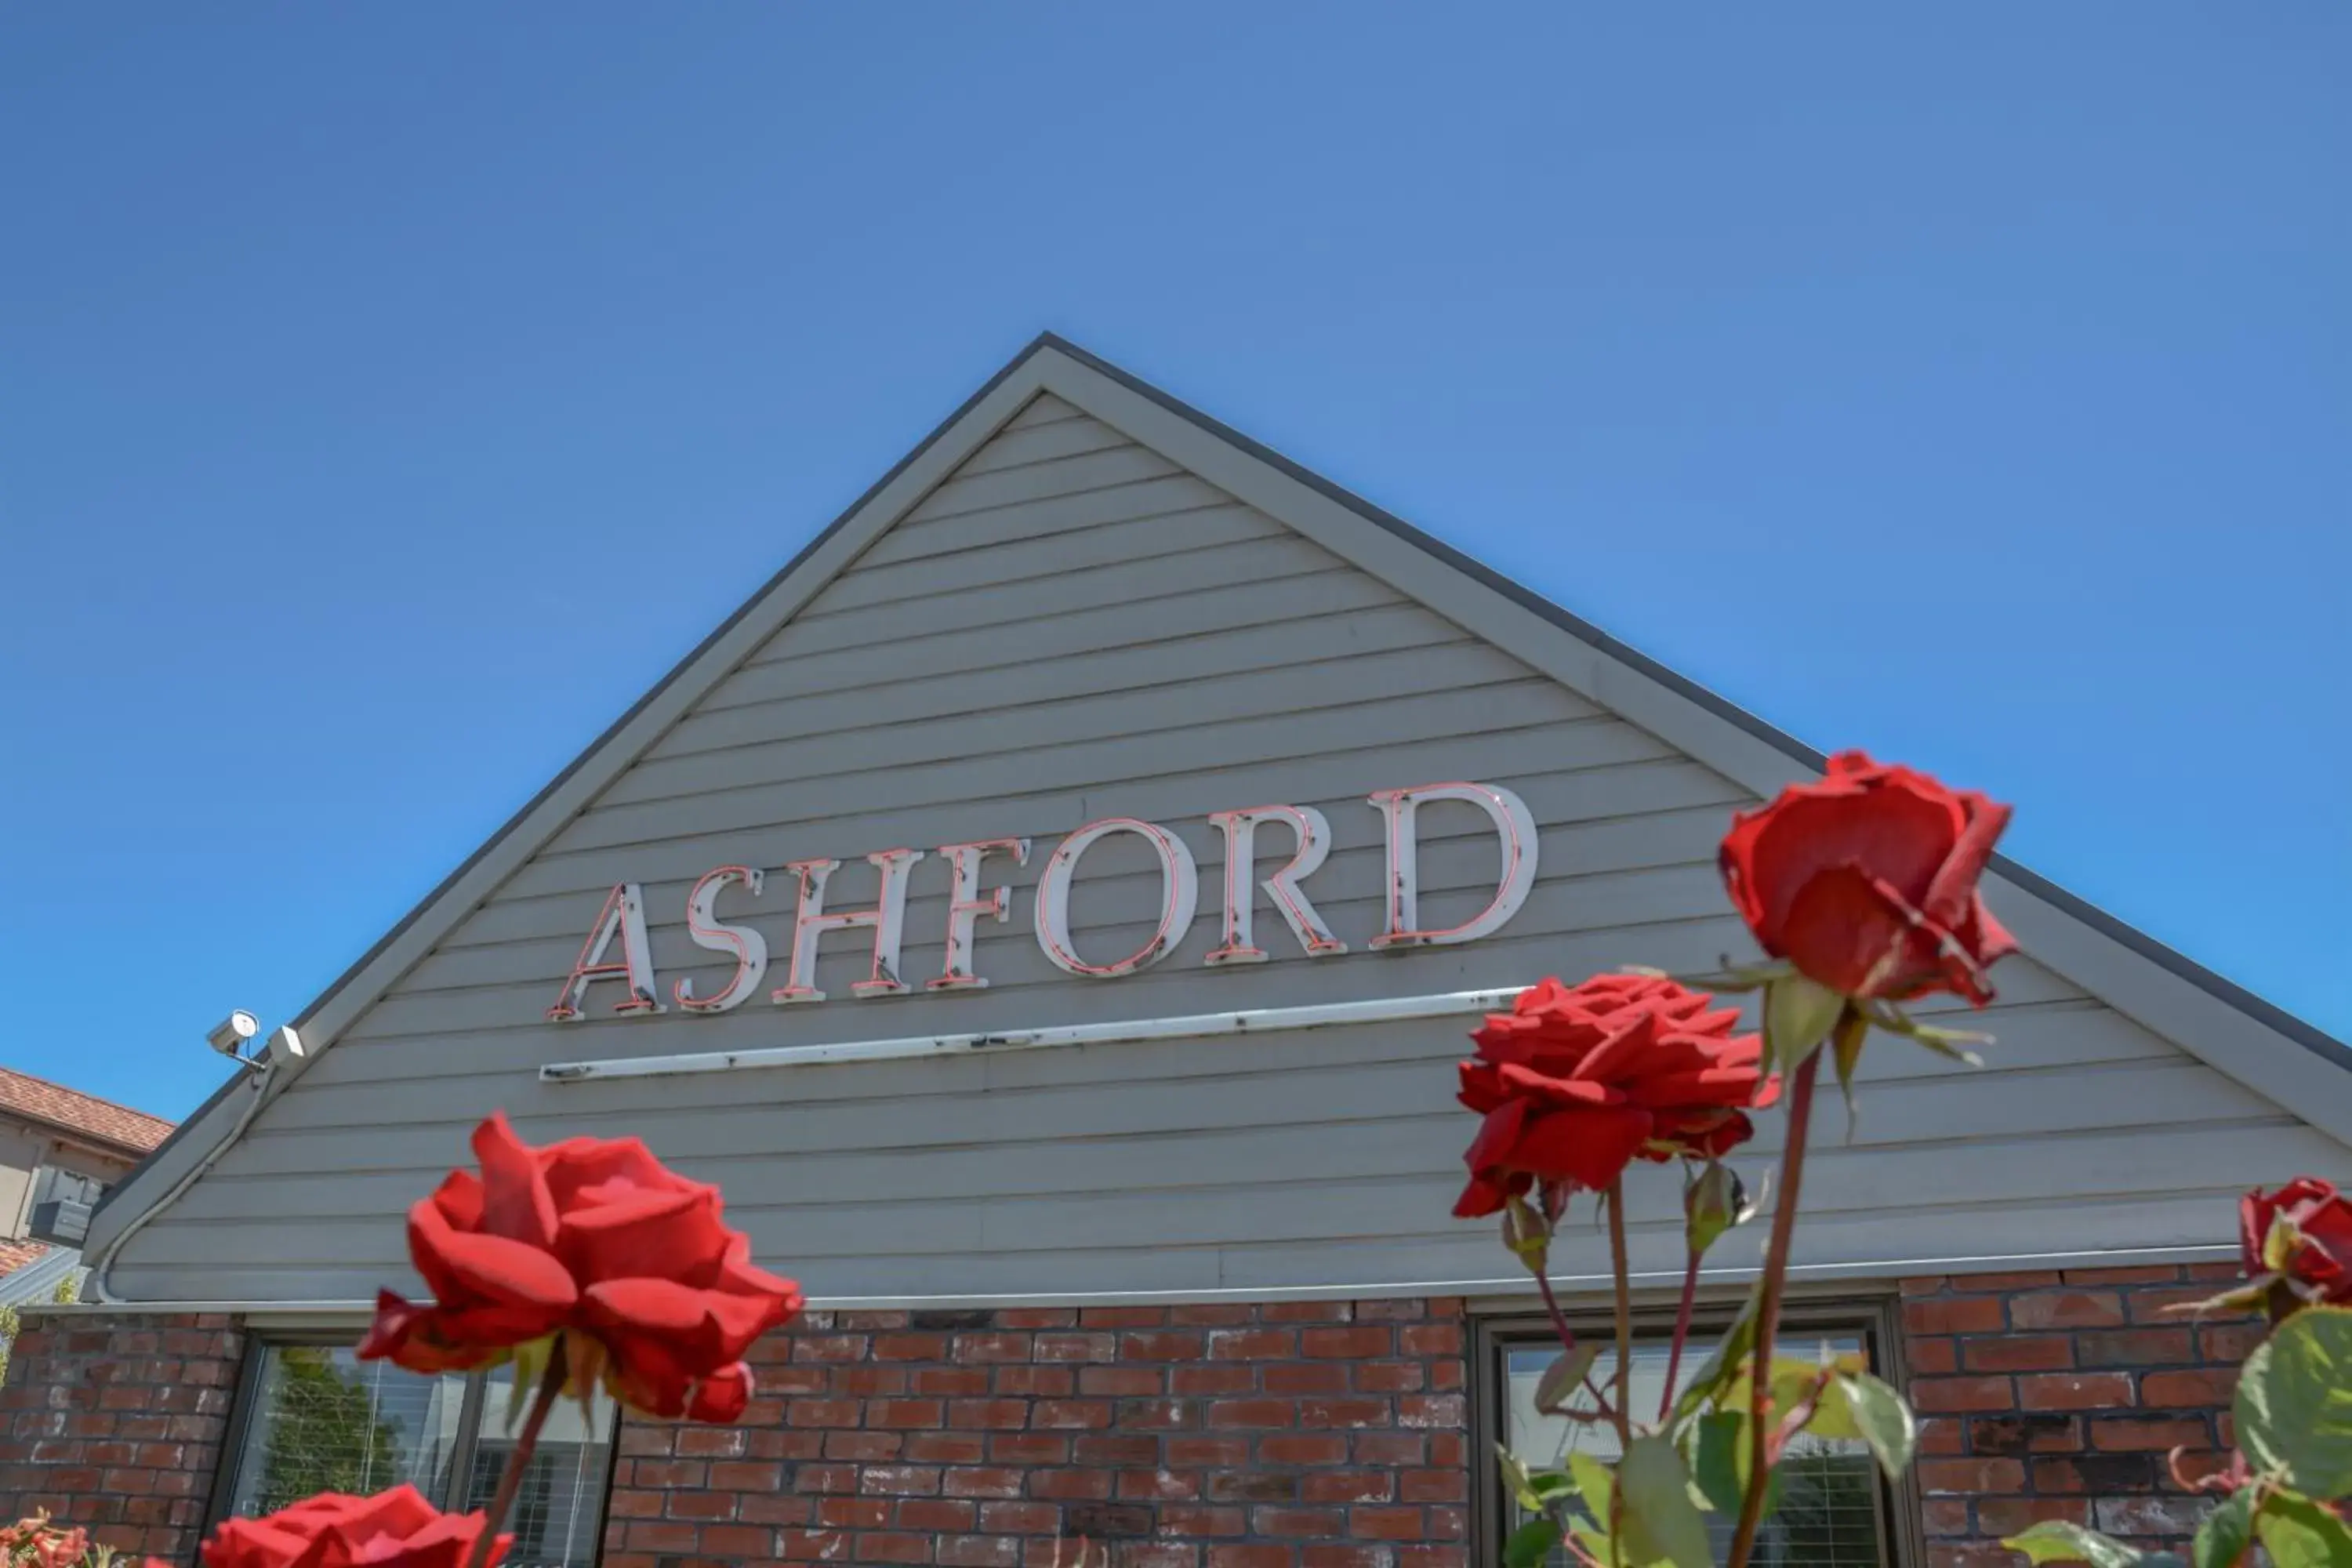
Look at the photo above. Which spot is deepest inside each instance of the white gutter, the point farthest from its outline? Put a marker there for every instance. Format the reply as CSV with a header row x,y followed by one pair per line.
x,y
1876,1270
1248,1021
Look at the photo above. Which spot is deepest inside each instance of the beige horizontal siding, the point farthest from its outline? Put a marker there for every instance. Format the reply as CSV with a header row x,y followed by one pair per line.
x,y
1561,791
1102,746
1107,545
1042,409
2032,1039
1130,677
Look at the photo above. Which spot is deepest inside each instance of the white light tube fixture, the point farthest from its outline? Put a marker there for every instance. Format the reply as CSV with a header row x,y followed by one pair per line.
x,y
1197,1026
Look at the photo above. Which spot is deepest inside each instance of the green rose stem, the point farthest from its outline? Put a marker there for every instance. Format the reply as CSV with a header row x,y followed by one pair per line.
x,y
1682,1334
1768,1304
1566,1335
1625,1315
1618,1267
550,1389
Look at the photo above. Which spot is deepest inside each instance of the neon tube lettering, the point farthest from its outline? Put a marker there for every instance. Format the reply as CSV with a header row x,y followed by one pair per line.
x,y
1240,828
886,919
1509,814
965,906
704,928
623,915
1180,892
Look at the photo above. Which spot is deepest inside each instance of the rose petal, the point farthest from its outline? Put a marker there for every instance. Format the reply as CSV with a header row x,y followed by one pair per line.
x,y
723,1395
1590,1148
646,1234
494,1268
516,1204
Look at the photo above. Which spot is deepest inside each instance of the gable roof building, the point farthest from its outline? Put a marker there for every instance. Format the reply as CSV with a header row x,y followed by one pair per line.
x,y
84,1117
1079,602
57,1144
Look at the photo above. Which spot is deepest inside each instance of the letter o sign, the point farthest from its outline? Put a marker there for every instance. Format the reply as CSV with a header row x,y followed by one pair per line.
x,y
1180,886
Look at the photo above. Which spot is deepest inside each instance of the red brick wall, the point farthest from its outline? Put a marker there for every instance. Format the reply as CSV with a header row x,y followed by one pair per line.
x,y
1277,1436
1324,1435
2058,1396
116,1422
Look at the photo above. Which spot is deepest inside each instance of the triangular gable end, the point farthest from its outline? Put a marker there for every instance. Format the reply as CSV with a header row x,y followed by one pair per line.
x,y
1057,404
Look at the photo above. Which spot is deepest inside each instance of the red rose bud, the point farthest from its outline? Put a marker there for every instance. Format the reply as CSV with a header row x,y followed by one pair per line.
x,y
588,1237
397,1529
1576,1083
1867,882
1713,1202
2300,1237
1526,1233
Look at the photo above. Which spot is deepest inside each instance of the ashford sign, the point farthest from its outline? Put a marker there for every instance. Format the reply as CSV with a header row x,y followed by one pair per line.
x,y
622,919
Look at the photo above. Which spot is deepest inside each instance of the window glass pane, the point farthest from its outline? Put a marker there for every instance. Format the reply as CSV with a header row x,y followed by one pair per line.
x,y
557,1511
323,1420
1828,1516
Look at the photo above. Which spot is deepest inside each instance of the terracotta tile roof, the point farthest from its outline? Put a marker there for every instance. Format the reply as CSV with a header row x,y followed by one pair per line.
x,y
101,1119
14,1255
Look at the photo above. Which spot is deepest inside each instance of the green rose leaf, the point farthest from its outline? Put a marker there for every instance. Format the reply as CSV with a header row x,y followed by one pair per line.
x,y
2294,1402
1516,1479
1718,1460
2227,1531
1533,1489
1593,1482
1717,1450
1564,1377
1794,1383
1884,1422
1797,1014
2298,1533
1661,1522
1531,1544
2051,1541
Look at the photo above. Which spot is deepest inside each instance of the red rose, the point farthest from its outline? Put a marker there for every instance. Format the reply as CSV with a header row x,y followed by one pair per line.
x,y
594,1238
2317,1255
397,1529
1867,881
1575,1083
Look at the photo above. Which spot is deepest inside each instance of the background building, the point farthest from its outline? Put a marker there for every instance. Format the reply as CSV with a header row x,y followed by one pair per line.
x,y
57,1147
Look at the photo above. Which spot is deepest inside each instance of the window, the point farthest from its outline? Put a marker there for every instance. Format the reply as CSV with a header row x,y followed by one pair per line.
x,y
1835,1511
317,1418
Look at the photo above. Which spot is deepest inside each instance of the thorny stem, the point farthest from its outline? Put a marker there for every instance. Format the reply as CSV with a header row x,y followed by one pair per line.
x,y
1618,1267
550,1389
1682,1334
1768,1303
1568,1338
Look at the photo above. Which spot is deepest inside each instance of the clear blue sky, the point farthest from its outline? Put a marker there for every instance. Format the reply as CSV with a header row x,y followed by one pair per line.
x,y
389,394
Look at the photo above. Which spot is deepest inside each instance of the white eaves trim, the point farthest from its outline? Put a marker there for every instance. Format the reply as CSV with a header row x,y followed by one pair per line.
x,y
2302,1071
346,1315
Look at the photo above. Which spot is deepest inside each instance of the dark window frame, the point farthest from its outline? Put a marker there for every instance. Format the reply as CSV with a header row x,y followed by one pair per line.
x,y
247,1396
1876,1317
